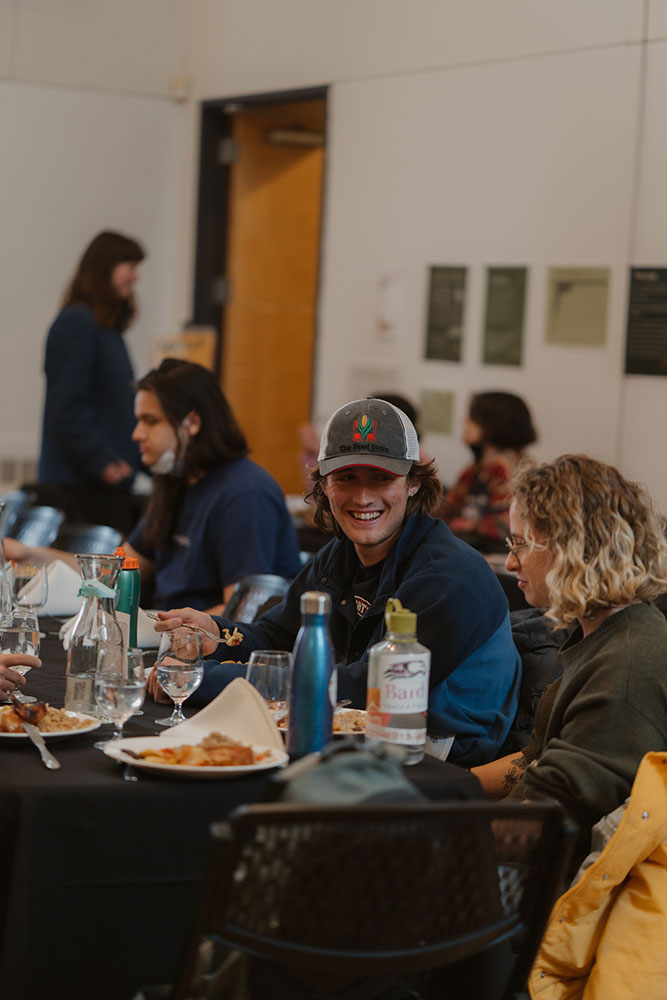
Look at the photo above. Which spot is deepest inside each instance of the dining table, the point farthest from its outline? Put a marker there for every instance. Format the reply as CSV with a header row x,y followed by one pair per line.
x,y
102,876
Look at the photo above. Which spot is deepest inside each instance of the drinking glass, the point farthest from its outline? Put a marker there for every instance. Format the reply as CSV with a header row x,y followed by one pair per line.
x,y
120,686
31,585
6,584
179,669
19,633
268,670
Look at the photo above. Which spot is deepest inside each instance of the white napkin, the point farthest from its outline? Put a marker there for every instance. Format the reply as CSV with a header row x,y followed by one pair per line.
x,y
64,583
147,637
238,711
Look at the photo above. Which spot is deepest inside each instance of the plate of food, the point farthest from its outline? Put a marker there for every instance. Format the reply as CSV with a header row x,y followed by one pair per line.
x,y
215,756
55,723
346,722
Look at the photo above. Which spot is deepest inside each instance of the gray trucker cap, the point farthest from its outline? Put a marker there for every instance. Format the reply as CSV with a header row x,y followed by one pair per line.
x,y
368,432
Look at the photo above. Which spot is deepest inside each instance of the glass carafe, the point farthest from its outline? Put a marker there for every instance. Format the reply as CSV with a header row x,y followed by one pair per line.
x,y
6,581
95,628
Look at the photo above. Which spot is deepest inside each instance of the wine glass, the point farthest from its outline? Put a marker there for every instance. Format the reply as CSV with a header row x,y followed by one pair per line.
x,y
31,585
179,669
268,670
120,686
19,633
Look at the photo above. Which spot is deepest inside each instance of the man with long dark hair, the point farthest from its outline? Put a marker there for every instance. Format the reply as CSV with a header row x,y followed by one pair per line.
x,y
214,515
372,492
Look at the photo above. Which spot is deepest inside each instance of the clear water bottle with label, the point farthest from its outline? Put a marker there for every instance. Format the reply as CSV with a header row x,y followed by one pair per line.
x,y
397,691
313,679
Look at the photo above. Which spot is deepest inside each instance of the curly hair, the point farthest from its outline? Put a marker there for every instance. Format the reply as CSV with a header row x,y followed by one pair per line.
x,y
425,500
607,540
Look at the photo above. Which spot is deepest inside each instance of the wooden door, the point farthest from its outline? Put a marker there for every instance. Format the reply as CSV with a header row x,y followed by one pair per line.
x,y
273,258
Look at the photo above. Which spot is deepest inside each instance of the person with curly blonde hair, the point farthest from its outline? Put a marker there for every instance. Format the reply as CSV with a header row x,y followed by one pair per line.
x,y
588,546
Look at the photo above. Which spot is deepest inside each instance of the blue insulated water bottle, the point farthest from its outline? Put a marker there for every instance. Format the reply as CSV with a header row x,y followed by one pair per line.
x,y
313,681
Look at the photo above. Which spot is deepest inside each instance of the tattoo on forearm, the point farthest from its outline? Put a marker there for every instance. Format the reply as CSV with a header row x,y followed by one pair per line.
x,y
514,774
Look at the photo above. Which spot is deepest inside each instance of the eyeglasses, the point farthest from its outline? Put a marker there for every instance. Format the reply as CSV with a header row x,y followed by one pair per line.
x,y
515,547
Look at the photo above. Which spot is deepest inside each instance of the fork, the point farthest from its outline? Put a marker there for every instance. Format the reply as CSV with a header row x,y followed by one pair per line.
x,y
195,628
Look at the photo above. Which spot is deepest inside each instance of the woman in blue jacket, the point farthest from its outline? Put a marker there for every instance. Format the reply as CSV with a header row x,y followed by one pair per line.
x,y
87,451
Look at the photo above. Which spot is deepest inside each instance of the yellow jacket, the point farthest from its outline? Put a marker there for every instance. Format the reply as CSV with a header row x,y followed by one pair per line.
x,y
607,935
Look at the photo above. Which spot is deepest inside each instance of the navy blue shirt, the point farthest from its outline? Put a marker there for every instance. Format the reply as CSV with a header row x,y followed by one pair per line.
x,y
89,406
232,523
462,617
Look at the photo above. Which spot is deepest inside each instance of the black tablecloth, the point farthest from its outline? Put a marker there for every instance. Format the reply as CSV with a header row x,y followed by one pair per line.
x,y
102,875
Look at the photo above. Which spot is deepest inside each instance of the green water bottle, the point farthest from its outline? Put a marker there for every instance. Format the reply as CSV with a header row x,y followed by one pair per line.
x,y
127,601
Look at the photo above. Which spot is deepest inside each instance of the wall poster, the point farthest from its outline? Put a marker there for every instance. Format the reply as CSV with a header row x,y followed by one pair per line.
x,y
577,305
503,324
444,328
436,412
646,341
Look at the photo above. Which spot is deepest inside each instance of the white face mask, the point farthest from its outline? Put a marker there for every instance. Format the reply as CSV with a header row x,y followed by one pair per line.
x,y
165,463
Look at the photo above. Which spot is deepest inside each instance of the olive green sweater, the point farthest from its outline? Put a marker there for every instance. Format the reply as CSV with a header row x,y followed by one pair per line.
x,y
596,722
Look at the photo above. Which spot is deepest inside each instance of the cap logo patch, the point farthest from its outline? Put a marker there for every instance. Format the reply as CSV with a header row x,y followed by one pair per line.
x,y
364,429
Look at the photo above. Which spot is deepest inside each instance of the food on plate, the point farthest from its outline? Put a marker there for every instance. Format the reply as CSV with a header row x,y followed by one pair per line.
x,y
349,720
52,720
345,720
215,750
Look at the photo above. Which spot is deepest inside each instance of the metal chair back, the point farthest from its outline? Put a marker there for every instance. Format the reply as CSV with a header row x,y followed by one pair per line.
x,y
251,592
39,526
97,538
12,505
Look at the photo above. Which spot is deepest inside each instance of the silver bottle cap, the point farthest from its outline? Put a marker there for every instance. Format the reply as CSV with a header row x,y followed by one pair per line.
x,y
315,602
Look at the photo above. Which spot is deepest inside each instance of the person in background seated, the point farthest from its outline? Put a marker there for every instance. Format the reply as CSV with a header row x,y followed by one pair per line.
x,y
88,459
587,545
10,680
372,492
497,430
214,516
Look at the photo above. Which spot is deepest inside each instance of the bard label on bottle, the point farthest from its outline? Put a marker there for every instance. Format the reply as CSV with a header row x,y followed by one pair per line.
x,y
402,691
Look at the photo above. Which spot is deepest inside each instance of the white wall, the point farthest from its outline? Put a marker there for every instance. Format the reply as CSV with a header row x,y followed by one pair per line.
x,y
467,132
91,139
475,133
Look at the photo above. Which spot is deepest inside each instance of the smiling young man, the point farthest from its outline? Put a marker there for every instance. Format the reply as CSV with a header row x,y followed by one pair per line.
x,y
372,492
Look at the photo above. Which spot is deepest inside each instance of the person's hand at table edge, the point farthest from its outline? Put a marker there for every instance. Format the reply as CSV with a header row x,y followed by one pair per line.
x,y
154,689
169,620
10,680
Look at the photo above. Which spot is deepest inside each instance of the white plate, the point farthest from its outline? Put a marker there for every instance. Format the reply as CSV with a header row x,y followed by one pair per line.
x,y
276,758
60,734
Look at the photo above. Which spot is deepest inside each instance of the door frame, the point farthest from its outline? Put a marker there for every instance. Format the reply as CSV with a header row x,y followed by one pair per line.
x,y
213,201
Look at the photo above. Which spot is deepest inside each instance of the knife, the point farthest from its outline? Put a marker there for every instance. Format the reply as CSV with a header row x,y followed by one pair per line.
x,y
34,735
37,738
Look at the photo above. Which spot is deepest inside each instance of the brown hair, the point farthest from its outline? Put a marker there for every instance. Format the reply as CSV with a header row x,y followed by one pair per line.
x,y
182,387
504,418
607,540
424,501
91,282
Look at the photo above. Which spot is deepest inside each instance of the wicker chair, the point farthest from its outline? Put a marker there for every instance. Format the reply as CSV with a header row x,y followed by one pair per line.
x,y
350,902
